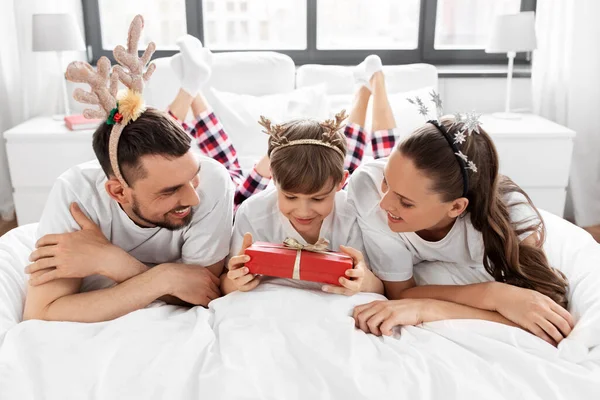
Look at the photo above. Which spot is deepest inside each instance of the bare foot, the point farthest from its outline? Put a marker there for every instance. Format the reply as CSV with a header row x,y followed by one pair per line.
x,y
263,167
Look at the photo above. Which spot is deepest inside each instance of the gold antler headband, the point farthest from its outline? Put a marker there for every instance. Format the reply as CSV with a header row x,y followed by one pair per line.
x,y
329,140
118,109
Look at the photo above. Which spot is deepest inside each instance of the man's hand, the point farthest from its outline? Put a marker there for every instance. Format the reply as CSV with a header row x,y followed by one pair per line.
x,y
191,283
73,255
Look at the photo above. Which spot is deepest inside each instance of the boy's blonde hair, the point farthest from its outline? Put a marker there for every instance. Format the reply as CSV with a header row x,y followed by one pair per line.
x,y
306,155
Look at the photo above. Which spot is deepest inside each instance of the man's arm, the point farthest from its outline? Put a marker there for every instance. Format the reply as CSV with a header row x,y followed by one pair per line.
x,y
176,283
98,305
61,261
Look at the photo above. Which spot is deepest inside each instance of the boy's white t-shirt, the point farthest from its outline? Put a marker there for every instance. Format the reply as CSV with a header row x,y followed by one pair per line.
x,y
392,255
260,216
204,241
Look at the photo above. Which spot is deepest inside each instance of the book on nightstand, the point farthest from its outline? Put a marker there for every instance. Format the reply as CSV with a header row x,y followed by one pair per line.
x,y
79,122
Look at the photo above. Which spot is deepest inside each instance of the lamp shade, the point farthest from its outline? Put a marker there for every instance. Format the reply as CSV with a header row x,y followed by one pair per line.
x,y
56,32
513,33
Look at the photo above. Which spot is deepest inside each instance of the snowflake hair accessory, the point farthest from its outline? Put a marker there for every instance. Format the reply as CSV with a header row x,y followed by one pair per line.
x,y
469,124
470,120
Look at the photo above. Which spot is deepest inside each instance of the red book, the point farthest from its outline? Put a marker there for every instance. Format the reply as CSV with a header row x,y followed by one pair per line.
x,y
79,122
283,262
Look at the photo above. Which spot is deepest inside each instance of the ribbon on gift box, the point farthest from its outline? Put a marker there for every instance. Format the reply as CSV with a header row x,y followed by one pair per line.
x,y
319,247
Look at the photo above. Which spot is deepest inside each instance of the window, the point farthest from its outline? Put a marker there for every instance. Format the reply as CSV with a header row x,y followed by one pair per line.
x,y
311,31
210,6
263,25
244,32
339,24
210,31
466,24
264,31
165,21
231,32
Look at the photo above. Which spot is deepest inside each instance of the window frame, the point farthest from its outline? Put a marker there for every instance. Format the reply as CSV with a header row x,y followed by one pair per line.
x,y
425,53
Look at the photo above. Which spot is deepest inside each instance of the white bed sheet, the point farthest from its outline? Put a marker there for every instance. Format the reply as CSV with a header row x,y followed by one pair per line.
x,y
283,342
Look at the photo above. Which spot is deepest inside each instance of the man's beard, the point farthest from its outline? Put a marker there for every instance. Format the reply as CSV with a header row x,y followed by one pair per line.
x,y
135,208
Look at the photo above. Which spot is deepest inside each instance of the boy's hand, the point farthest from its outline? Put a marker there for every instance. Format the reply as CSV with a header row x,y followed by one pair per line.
x,y
238,273
355,277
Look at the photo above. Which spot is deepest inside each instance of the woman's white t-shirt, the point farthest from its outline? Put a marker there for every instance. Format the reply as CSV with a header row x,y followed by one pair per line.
x,y
205,241
393,255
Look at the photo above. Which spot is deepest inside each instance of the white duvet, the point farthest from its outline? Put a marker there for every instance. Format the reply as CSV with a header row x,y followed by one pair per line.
x,y
281,342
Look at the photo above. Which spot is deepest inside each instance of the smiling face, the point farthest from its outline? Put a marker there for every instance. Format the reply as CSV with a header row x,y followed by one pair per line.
x,y
165,197
307,175
306,212
409,201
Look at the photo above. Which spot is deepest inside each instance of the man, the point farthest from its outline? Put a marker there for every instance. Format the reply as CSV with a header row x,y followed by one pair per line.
x,y
107,248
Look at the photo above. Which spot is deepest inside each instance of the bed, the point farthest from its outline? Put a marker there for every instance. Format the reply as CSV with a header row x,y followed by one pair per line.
x,y
282,342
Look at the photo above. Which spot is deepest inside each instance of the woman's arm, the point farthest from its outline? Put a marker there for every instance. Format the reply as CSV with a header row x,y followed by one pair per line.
x,y
478,295
380,317
527,308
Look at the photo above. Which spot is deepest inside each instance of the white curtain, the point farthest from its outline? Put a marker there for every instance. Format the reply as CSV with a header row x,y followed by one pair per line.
x,y
566,89
29,82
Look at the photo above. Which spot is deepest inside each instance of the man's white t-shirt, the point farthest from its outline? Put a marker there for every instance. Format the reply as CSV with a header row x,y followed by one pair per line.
x,y
392,255
204,241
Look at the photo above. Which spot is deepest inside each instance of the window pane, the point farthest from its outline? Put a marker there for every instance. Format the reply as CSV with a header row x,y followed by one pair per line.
x,y
255,24
164,22
466,24
368,24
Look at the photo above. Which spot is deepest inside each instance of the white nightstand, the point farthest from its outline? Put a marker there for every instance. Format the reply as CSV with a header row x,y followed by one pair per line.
x,y
39,151
534,152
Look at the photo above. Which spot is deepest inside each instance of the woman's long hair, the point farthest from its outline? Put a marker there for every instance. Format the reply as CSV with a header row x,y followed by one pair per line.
x,y
505,258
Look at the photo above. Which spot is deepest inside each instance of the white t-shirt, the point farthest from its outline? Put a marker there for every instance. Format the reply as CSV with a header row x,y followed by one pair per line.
x,y
260,216
393,255
204,241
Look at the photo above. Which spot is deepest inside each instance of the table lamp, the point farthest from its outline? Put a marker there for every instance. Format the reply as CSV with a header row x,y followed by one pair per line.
x,y
57,33
512,33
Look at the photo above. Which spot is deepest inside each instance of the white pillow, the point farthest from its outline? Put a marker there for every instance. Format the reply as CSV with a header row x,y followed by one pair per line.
x,y
240,113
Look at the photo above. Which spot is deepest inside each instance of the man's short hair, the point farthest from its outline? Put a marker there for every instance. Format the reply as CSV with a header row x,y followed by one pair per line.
x,y
153,133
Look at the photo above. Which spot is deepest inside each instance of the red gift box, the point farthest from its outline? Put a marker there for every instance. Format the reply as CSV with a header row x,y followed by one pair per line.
x,y
278,260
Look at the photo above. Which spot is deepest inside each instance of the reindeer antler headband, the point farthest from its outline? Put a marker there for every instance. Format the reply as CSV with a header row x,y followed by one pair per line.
x,y
329,139
470,123
118,109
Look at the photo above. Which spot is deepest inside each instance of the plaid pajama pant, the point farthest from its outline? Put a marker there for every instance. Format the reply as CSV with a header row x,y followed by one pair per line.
x,y
212,140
